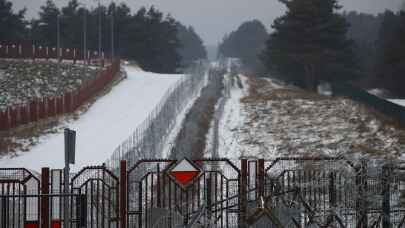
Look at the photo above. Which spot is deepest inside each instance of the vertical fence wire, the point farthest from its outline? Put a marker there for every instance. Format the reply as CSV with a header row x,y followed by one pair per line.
x,y
149,139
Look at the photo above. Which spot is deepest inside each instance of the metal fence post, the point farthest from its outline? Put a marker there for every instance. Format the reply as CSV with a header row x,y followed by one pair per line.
x,y
81,211
208,195
260,178
332,190
45,198
159,190
361,204
386,178
243,195
123,194
3,213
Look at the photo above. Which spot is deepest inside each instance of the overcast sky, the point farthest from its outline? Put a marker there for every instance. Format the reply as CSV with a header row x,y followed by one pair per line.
x,y
214,18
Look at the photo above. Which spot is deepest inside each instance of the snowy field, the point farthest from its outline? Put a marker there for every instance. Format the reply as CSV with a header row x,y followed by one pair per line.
x,y
266,120
103,127
398,101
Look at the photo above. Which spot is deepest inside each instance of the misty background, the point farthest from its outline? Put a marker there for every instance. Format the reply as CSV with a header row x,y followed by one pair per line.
x,y
212,19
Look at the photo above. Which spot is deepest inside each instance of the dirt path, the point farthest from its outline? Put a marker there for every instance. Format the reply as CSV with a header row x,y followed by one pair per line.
x,y
191,140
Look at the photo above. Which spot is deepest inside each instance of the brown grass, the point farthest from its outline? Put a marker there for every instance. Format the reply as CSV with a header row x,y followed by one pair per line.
x,y
261,90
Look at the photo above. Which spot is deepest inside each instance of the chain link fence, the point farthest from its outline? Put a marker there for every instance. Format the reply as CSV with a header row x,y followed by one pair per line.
x,y
150,138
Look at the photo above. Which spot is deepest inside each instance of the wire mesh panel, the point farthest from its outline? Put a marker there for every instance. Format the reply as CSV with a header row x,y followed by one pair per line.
x,y
150,139
100,189
19,198
323,188
157,199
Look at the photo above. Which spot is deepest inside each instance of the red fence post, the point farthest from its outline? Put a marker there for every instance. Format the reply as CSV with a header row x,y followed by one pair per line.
x,y
24,114
51,106
41,111
45,198
59,105
66,103
74,99
13,117
19,109
243,195
123,194
32,111
260,178
8,122
3,119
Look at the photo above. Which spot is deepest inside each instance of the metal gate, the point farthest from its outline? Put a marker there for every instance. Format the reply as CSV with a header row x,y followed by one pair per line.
x,y
312,192
155,199
99,191
280,193
17,211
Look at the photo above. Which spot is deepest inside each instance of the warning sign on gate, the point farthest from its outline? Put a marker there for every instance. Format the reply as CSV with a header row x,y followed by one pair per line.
x,y
184,172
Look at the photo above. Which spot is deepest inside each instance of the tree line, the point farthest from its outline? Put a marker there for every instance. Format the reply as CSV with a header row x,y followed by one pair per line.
x,y
245,43
156,41
314,42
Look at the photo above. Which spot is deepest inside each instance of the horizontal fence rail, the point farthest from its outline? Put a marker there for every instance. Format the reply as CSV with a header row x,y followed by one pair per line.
x,y
149,138
46,107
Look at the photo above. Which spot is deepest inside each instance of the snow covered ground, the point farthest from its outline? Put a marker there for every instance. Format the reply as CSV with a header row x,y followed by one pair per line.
x,y
99,130
232,118
266,120
398,101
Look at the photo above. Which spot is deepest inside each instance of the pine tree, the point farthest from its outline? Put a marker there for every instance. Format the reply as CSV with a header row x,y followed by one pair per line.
x,y
391,52
45,29
148,37
246,43
12,26
71,25
309,44
192,47
122,18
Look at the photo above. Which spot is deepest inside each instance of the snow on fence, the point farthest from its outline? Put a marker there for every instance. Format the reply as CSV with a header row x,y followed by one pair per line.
x,y
45,107
32,51
150,138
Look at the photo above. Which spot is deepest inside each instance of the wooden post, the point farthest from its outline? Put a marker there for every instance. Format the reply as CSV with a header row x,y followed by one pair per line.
x,y
123,194
45,199
243,195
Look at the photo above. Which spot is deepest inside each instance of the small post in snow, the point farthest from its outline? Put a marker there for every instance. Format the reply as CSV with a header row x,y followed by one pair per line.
x,y
70,144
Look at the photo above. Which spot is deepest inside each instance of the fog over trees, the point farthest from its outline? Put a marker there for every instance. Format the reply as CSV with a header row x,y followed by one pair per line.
x,y
245,43
147,36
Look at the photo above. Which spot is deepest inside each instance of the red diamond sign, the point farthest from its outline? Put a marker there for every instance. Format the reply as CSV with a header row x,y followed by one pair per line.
x,y
184,172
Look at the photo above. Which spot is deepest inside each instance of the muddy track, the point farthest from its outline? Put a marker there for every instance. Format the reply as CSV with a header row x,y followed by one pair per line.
x,y
191,140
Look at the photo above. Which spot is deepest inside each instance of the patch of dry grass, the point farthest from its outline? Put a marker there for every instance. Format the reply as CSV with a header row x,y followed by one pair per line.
x,y
305,123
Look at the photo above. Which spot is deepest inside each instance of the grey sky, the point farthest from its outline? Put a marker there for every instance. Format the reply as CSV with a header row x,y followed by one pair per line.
x,y
213,18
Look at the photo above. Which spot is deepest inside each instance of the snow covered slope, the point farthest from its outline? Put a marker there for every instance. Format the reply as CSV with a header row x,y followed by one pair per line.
x,y
398,101
108,121
266,120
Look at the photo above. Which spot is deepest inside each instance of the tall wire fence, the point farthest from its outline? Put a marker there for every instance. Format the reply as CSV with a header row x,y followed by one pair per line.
x,y
150,138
